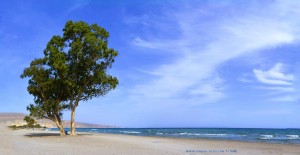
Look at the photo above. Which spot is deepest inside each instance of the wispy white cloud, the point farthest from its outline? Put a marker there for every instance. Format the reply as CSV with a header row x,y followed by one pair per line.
x,y
280,85
202,48
209,91
280,89
76,6
274,76
169,46
287,98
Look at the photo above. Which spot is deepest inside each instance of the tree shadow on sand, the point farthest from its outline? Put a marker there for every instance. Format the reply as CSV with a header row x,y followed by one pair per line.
x,y
43,135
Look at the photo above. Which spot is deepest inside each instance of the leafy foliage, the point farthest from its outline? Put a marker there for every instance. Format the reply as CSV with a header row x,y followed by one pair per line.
x,y
74,69
31,123
47,90
80,59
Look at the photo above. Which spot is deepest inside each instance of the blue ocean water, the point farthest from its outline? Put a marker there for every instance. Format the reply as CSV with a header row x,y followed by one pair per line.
x,y
282,136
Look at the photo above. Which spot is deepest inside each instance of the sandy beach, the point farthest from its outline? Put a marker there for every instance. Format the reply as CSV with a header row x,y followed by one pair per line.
x,y
33,142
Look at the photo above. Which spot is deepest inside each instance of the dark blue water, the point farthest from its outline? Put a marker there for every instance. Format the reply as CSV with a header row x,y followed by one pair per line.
x,y
282,136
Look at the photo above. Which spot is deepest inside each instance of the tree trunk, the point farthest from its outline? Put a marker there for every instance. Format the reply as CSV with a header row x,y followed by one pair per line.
x,y
60,127
73,130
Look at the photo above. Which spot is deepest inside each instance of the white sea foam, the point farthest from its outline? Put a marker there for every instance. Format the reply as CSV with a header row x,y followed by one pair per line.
x,y
130,132
266,136
189,134
215,134
293,136
159,133
193,134
198,134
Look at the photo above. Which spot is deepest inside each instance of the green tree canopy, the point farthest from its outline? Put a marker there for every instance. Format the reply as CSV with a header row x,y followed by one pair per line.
x,y
75,67
87,57
30,121
48,91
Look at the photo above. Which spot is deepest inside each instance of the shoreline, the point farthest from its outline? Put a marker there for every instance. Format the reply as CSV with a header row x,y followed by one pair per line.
x,y
184,138
252,136
157,137
29,142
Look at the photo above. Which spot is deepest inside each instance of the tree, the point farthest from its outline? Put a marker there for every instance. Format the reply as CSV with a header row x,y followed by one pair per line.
x,y
76,64
30,121
87,58
48,92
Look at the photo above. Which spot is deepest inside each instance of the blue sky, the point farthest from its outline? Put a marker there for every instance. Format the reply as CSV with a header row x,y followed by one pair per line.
x,y
181,63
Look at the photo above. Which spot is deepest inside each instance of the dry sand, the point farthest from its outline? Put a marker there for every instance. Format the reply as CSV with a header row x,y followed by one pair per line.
x,y
30,142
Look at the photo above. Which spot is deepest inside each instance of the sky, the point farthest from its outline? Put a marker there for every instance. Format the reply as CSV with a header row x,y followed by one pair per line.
x,y
195,63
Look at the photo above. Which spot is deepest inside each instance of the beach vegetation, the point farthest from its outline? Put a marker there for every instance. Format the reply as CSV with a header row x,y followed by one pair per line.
x,y
30,124
87,59
74,69
30,121
47,89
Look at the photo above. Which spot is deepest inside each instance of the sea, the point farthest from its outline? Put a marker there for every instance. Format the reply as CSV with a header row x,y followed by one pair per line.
x,y
279,136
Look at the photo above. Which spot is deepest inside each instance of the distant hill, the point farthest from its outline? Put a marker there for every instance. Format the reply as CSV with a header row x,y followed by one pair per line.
x,y
13,118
